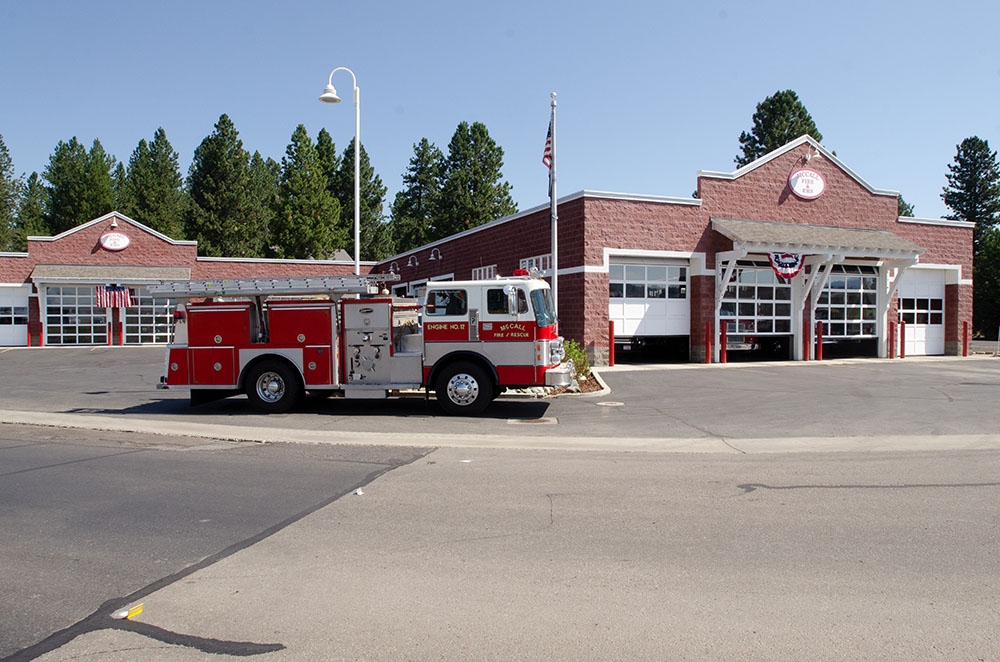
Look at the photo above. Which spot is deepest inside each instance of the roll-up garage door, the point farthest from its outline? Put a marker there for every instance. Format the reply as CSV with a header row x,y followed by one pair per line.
x,y
921,306
14,315
649,298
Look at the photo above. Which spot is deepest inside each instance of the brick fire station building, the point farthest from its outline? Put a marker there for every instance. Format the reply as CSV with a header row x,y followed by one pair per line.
x,y
763,253
87,286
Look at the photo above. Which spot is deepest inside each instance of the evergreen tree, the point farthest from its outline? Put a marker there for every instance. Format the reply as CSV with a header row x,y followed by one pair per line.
x,y
473,192
376,241
414,207
329,159
118,178
31,212
779,119
10,194
986,276
81,184
903,208
152,189
973,191
973,194
223,217
265,174
306,219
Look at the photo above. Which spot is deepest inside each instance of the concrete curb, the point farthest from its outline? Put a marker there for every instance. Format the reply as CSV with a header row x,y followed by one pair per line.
x,y
729,446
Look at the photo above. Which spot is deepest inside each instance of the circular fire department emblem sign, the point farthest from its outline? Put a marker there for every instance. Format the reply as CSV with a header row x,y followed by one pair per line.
x,y
114,241
806,183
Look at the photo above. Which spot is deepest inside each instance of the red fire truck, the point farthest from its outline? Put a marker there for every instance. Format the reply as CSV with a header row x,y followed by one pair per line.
x,y
275,339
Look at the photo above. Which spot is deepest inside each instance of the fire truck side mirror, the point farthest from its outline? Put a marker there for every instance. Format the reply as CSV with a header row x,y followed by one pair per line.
x,y
511,293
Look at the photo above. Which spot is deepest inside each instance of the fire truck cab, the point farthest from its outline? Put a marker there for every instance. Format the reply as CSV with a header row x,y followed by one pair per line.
x,y
276,339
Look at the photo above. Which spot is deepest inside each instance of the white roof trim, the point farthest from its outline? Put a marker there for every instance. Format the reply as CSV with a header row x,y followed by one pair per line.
x,y
947,222
123,217
781,151
638,197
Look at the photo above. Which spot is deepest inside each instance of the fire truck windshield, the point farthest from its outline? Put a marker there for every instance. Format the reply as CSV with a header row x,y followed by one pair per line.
x,y
541,301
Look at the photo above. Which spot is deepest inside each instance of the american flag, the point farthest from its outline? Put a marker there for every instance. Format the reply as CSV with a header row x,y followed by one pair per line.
x,y
547,154
113,296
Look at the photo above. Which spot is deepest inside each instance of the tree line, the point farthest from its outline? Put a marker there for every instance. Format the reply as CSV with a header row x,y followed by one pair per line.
x,y
241,205
238,204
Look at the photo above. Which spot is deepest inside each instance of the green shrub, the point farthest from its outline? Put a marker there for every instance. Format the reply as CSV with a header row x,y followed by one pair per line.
x,y
576,354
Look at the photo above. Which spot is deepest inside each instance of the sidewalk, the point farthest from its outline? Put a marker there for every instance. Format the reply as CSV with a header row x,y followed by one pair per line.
x,y
727,445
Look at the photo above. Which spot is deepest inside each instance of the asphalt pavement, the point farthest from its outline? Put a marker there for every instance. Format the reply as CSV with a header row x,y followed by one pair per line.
x,y
857,404
756,511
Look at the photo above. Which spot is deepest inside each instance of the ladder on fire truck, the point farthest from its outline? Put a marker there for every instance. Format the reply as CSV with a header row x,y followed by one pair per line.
x,y
268,287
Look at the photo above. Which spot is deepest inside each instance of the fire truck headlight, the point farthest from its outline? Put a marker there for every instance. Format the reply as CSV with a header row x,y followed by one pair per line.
x,y
556,351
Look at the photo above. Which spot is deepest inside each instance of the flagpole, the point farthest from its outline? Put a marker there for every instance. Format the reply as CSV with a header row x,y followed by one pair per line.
x,y
554,213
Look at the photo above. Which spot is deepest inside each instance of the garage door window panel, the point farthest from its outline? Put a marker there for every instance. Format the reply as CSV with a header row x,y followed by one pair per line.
x,y
71,317
148,320
850,296
758,299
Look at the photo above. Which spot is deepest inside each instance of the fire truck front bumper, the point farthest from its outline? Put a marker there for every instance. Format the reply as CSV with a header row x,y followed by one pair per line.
x,y
561,375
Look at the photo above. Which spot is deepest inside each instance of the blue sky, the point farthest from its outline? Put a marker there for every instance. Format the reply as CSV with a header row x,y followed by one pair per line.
x,y
649,93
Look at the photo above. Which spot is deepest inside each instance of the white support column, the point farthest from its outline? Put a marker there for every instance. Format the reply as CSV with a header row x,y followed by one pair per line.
x,y
730,258
886,292
816,288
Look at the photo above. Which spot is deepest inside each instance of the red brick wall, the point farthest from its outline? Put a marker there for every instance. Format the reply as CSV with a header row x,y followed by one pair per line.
x,y
503,244
15,269
763,195
83,247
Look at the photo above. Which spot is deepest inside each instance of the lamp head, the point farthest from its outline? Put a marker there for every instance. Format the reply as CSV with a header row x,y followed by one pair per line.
x,y
329,95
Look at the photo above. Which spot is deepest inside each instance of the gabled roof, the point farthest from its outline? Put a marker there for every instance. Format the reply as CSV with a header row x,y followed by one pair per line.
x,y
771,237
122,217
821,152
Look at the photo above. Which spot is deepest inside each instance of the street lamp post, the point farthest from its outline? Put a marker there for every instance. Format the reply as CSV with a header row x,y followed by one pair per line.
x,y
330,96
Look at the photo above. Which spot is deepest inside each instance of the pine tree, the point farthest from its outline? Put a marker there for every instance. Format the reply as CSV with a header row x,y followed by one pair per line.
x,y
265,174
986,276
903,208
414,208
973,194
473,192
10,194
306,219
81,184
376,241
31,212
973,191
329,159
152,190
223,217
120,177
779,119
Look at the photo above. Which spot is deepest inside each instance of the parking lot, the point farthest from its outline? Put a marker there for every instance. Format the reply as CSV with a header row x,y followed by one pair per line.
x,y
648,407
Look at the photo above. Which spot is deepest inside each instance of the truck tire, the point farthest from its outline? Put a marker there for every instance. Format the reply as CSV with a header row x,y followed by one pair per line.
x,y
464,389
273,387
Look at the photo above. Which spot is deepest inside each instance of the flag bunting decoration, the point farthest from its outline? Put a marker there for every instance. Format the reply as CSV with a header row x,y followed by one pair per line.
x,y
113,296
786,265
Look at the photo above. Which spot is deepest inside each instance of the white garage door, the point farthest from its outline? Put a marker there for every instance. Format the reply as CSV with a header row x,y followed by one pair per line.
x,y
14,315
921,306
649,299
